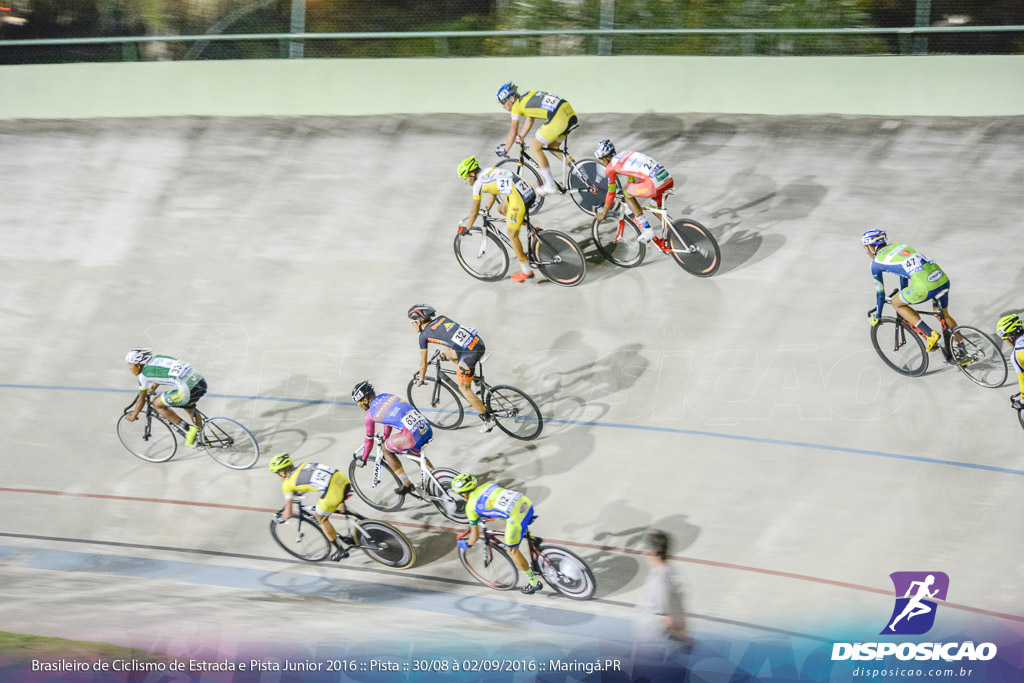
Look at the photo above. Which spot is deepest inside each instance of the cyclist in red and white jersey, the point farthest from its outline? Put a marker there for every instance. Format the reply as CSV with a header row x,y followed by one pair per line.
x,y
642,177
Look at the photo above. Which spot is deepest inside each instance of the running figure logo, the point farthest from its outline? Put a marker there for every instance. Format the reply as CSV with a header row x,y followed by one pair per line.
x,y
914,613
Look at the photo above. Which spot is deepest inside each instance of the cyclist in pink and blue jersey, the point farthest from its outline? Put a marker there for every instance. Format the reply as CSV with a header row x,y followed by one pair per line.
x,y
405,428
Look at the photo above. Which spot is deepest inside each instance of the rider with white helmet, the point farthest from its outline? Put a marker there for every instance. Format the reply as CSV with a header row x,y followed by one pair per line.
x,y
187,387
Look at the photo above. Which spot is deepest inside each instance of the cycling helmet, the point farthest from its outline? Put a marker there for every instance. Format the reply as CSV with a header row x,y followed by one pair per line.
x,y
464,483
605,148
139,356
467,166
281,461
873,238
422,313
1009,325
363,390
506,91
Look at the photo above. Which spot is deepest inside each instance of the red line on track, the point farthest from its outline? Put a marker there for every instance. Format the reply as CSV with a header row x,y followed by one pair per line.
x,y
593,546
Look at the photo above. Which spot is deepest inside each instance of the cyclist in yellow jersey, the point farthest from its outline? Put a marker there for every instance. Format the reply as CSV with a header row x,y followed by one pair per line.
x,y
490,500
1011,329
557,114
332,484
515,199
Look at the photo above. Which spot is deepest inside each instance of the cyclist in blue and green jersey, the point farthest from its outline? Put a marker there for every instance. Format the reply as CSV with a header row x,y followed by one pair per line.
x,y
165,371
921,279
491,501
1011,329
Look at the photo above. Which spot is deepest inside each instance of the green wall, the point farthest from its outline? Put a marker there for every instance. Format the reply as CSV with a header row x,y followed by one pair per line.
x,y
887,86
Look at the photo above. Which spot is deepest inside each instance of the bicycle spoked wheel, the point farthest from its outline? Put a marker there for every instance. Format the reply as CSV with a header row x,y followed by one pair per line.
x,y
229,443
589,184
481,254
437,402
900,348
566,572
450,505
530,175
559,258
147,438
617,240
514,412
978,356
490,566
384,543
306,541
382,496
694,248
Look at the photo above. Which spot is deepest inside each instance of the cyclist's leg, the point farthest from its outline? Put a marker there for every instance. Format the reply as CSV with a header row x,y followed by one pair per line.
x,y
198,391
940,300
642,188
550,134
915,293
332,499
399,441
163,403
516,529
515,214
465,370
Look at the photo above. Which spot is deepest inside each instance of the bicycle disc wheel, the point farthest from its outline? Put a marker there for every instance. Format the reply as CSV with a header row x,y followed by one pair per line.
x,y
229,443
381,497
694,248
566,572
514,412
437,402
490,566
559,258
590,185
979,357
158,445
617,241
530,175
904,354
481,254
306,541
450,505
384,543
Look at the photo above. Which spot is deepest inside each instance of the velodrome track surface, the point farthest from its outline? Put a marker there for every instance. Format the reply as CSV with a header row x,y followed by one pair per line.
x,y
746,414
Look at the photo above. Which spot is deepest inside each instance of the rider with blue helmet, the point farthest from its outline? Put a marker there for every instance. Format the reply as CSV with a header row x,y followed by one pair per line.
x,y
557,114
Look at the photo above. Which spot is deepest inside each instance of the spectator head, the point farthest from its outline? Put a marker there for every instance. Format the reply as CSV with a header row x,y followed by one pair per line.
x,y
657,543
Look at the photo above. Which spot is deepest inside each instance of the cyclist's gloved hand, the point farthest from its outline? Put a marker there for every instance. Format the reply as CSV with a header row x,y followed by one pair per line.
x,y
873,320
501,151
462,544
1016,402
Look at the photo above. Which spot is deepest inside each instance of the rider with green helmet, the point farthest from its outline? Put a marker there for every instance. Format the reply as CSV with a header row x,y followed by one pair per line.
x,y
514,195
1011,329
490,501
332,485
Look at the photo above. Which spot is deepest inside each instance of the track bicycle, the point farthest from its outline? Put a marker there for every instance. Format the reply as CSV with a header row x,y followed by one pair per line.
x,y
489,562
379,486
153,438
903,349
689,243
301,536
440,401
483,252
584,181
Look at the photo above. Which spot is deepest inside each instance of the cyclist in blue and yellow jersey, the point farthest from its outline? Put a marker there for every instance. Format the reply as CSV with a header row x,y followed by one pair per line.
x,y
1011,329
558,117
188,387
515,198
921,279
405,428
490,501
462,346
332,484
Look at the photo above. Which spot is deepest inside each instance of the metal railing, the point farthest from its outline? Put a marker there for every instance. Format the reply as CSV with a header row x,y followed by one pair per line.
x,y
297,39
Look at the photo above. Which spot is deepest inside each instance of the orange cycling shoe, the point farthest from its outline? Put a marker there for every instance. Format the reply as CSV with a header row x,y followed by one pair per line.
x,y
521,276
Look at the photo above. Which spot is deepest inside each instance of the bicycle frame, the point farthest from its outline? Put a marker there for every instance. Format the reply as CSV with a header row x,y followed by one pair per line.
x,y
900,337
666,223
150,412
568,162
425,472
444,375
532,232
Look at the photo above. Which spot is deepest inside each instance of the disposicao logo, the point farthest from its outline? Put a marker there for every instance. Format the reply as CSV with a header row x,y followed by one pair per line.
x,y
917,598
914,613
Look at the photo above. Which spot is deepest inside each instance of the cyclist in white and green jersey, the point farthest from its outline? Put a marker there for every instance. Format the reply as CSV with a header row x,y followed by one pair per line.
x,y
155,371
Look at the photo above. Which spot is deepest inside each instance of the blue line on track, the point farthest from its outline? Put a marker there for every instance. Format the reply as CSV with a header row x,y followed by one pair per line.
x,y
611,425
571,622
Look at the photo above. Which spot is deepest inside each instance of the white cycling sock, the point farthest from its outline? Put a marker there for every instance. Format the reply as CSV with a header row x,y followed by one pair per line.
x,y
525,267
404,478
549,180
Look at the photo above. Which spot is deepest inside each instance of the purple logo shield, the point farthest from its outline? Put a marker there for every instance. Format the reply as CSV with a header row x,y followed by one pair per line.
x,y
916,596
